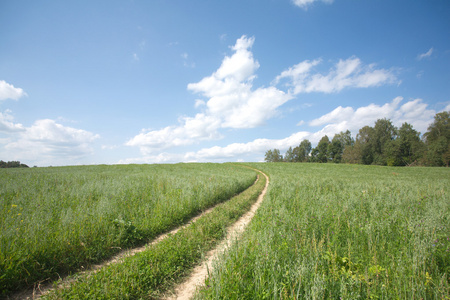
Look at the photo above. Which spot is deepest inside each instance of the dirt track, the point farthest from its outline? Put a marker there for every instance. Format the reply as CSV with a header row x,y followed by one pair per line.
x,y
187,289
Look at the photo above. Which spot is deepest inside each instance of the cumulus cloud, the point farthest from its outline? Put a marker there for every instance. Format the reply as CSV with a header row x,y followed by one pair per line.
x,y
230,93
349,73
447,108
237,150
48,142
6,123
425,55
231,102
415,112
305,3
8,91
201,127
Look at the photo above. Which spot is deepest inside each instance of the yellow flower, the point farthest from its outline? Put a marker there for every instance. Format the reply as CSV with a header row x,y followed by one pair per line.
x,y
13,205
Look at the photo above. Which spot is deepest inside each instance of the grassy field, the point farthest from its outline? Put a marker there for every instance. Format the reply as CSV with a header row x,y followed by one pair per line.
x,y
327,231
54,221
148,274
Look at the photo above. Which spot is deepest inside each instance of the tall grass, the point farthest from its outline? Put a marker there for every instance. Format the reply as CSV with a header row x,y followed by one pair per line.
x,y
148,274
54,221
330,231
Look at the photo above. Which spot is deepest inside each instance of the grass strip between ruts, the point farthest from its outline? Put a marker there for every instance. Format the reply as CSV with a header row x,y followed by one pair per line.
x,y
151,272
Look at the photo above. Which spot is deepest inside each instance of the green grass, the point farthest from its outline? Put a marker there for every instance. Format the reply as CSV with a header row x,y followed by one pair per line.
x,y
149,273
55,221
328,231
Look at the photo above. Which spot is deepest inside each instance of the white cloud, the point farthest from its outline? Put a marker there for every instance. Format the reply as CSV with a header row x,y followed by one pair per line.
x,y
340,119
230,91
190,130
223,37
232,103
199,103
237,150
425,55
349,73
305,3
6,123
414,112
186,62
447,108
48,142
8,91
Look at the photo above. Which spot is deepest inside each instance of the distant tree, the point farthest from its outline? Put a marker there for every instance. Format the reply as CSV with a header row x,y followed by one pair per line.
x,y
352,154
322,150
273,156
301,152
289,155
384,134
383,144
407,148
314,155
338,144
363,145
437,140
12,164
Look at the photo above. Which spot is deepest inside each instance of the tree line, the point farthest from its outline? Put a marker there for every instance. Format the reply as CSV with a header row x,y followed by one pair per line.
x,y
12,164
384,144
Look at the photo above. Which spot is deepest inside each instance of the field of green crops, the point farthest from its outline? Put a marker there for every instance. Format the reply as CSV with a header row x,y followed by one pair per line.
x,y
327,231
55,221
323,231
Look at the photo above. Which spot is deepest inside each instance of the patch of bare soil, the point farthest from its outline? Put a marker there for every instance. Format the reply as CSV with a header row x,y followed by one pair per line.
x,y
186,290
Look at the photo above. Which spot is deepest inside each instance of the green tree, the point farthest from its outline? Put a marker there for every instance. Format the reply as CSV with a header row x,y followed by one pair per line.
x,y
289,155
338,144
322,150
12,164
301,153
352,154
407,148
437,140
314,155
273,156
384,133
363,145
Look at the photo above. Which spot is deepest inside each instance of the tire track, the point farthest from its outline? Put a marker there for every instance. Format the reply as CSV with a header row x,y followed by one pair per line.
x,y
196,279
42,289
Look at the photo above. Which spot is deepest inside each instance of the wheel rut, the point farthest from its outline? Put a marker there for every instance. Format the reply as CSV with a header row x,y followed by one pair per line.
x,y
196,279
42,289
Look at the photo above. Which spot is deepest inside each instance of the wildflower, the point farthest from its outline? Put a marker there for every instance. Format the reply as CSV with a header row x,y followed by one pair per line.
x,y
13,205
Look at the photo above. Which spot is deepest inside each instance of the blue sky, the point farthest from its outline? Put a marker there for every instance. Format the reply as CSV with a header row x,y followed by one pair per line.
x,y
105,82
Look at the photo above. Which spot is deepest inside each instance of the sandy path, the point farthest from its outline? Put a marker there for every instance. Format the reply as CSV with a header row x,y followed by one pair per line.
x,y
41,289
186,290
